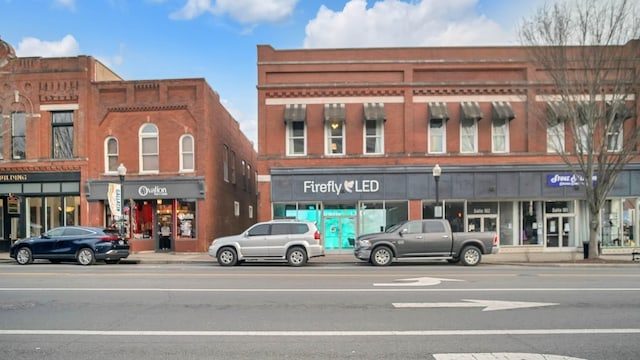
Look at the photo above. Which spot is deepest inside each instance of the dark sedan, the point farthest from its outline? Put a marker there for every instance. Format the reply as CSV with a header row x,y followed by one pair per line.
x,y
72,243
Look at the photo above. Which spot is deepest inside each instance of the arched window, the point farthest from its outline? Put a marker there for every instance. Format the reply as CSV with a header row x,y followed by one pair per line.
x,y
149,161
111,155
187,156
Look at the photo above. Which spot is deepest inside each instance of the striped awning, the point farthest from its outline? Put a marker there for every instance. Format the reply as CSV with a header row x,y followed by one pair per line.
x,y
438,110
374,111
470,110
502,110
557,111
295,112
334,112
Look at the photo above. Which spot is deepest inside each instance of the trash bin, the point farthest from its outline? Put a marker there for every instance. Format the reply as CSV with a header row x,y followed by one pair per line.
x,y
585,247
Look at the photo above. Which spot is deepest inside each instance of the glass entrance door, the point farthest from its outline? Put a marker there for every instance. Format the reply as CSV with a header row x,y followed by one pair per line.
x,y
339,232
559,231
482,223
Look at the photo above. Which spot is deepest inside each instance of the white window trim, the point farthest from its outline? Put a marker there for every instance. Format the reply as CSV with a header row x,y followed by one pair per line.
x,y
379,135
327,141
506,136
444,137
192,153
236,208
141,136
556,138
475,138
289,134
106,154
250,211
619,142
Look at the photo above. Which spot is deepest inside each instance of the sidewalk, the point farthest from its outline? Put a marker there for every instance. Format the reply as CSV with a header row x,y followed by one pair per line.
x,y
343,257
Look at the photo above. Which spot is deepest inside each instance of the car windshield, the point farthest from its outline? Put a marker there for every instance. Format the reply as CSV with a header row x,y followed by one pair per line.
x,y
394,227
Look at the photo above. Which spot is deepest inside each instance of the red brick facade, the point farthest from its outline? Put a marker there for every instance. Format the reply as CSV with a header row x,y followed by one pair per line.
x,y
105,106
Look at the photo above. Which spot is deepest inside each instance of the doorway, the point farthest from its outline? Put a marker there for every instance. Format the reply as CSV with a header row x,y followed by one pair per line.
x,y
165,225
339,232
559,231
482,223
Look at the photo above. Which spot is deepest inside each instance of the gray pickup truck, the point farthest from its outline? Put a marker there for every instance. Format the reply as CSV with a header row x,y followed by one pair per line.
x,y
430,239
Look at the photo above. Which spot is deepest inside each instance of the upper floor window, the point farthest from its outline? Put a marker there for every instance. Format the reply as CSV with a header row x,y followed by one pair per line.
x,y
557,114
471,114
18,135
187,153
62,134
438,116
111,155
374,119
616,113
232,166
149,156
1,138
295,121
502,115
335,118
225,163
249,178
244,175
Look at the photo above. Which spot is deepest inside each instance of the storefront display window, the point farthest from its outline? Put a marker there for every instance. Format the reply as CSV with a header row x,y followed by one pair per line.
x,y
618,219
142,220
532,225
186,214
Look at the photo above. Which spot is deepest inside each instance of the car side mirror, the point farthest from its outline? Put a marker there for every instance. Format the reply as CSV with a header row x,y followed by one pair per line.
x,y
403,231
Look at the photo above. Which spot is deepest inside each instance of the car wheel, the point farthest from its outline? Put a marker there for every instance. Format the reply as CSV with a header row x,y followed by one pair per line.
x,y
381,256
85,257
23,256
227,256
296,256
470,256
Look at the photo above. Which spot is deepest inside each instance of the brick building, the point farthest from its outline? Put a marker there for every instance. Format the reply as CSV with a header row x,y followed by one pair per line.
x,y
68,123
349,138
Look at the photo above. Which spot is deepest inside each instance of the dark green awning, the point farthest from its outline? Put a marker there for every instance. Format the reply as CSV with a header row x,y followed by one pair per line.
x,y
470,110
438,110
374,111
295,112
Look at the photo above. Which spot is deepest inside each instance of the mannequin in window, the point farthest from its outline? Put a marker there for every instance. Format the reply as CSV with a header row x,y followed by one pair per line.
x,y
165,236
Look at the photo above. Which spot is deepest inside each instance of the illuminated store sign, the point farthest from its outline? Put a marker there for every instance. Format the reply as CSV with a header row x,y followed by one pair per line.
x,y
557,180
152,190
347,186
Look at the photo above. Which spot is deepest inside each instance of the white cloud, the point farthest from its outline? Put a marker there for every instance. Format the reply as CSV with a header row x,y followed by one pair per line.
x,y
398,23
30,46
70,4
243,11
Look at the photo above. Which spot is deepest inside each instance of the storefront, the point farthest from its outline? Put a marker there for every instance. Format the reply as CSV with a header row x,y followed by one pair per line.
x,y
159,214
32,203
524,205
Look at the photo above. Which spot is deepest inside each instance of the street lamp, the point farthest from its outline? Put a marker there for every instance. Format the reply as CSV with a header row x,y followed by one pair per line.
x,y
436,176
122,172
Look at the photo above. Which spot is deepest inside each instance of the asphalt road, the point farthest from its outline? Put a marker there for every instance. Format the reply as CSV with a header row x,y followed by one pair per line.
x,y
324,311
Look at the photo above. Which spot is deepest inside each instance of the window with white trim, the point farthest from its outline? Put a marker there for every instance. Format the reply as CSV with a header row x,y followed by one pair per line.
x,y
437,136
62,134
468,135
335,137
187,154
149,151
111,155
555,137
236,208
296,138
18,135
614,137
500,135
373,136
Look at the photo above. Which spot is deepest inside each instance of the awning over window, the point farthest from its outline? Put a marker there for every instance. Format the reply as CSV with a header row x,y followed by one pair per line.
x,y
295,112
374,111
333,112
470,110
557,111
503,110
438,110
621,111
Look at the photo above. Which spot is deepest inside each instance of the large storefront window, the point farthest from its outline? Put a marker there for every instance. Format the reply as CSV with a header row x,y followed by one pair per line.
x,y
619,223
531,215
186,219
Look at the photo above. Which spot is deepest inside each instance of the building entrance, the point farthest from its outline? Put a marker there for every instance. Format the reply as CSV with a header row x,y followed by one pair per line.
x,y
339,232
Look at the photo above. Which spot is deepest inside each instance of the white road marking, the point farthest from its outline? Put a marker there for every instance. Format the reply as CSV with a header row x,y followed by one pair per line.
x,y
303,333
421,281
328,290
501,356
488,305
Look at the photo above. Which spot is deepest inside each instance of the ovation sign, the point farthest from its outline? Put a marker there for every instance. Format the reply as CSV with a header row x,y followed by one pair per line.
x,y
347,186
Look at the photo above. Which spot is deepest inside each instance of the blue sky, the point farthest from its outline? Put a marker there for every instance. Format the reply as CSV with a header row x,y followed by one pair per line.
x,y
216,39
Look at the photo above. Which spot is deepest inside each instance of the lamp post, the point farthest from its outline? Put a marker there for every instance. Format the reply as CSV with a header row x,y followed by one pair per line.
x,y
436,176
122,172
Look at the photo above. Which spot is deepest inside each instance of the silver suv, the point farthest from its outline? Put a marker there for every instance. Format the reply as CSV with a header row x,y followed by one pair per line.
x,y
292,240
